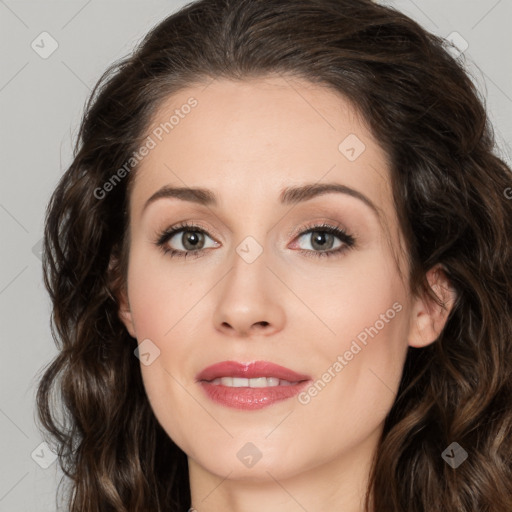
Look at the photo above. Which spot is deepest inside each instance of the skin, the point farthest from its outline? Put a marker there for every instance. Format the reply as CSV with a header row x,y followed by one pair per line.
x,y
246,141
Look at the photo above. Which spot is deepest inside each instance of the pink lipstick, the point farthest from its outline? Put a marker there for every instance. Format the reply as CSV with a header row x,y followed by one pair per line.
x,y
250,385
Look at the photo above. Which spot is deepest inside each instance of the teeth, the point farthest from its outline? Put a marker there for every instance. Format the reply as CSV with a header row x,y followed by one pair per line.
x,y
226,381
258,382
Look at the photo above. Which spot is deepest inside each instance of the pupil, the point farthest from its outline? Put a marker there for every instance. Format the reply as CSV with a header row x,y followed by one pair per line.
x,y
320,241
191,239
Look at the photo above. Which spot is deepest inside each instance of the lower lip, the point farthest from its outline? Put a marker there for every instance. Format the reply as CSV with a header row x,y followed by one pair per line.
x,y
251,398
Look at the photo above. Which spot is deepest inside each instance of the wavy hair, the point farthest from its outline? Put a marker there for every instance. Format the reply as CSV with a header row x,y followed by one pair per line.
x,y
449,189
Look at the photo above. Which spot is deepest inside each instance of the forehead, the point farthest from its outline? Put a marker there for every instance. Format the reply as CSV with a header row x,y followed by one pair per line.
x,y
253,138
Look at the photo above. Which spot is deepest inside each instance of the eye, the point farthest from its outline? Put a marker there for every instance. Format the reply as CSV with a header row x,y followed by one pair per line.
x,y
191,239
322,241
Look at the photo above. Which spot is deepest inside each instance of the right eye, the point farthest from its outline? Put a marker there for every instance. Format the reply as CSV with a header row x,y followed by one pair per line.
x,y
192,239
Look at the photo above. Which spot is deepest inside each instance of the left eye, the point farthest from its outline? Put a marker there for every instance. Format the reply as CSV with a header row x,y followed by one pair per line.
x,y
320,240
323,238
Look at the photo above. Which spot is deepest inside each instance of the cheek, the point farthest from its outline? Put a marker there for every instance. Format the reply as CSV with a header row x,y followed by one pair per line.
x,y
164,303
348,298
360,355
160,293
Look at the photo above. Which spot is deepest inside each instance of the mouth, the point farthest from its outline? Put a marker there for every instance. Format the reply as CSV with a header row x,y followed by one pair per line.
x,y
258,382
250,385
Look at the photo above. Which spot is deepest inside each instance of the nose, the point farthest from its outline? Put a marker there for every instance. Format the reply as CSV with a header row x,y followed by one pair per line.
x,y
250,300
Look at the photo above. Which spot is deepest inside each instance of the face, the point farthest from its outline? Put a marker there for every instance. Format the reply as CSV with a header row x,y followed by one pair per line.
x,y
255,275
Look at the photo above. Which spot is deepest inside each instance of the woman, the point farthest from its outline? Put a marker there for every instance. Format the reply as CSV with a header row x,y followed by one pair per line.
x,y
280,272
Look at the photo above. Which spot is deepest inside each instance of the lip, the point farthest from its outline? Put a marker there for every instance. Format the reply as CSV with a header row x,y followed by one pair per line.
x,y
249,371
248,398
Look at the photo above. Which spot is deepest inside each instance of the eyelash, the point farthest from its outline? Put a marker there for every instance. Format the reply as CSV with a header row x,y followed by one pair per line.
x,y
347,239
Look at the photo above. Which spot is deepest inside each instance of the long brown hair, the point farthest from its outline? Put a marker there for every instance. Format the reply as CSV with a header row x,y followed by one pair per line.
x,y
449,190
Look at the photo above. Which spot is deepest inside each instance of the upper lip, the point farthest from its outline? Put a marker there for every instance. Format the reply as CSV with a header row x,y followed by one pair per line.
x,y
249,371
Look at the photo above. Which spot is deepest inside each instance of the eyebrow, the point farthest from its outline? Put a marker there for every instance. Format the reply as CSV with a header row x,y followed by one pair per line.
x,y
288,196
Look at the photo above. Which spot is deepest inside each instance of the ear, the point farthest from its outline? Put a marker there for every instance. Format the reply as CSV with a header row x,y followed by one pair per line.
x,y
119,292
429,318
125,314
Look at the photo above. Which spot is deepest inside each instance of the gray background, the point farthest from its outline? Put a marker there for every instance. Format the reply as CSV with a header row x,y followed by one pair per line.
x,y
41,102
